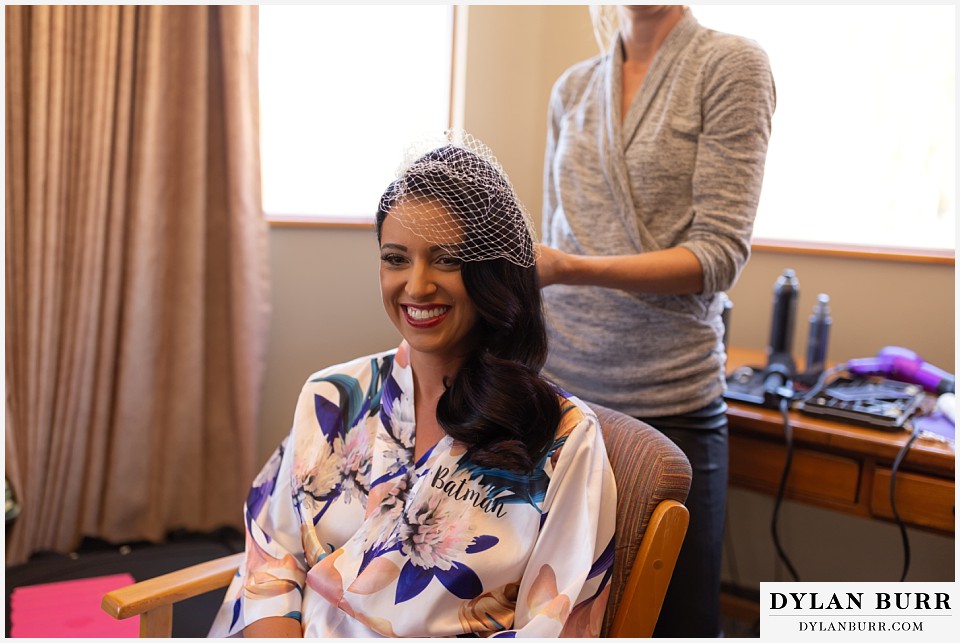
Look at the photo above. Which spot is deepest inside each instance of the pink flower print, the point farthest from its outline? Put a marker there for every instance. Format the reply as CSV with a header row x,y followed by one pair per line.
x,y
379,625
267,576
355,465
325,579
316,469
586,619
395,458
544,597
384,510
380,573
433,536
403,420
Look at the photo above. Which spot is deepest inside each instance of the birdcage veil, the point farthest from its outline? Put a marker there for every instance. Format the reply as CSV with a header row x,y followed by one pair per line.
x,y
455,193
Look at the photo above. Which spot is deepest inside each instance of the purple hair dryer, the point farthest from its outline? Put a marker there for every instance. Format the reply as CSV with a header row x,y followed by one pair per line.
x,y
904,365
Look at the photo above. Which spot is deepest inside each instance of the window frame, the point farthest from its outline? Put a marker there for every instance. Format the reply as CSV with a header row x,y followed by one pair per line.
x,y
354,222
761,245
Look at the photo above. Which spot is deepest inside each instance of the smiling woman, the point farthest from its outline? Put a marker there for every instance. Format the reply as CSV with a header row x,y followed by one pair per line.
x,y
467,276
442,488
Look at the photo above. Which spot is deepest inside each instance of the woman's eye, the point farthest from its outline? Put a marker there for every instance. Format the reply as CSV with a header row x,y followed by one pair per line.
x,y
392,259
449,261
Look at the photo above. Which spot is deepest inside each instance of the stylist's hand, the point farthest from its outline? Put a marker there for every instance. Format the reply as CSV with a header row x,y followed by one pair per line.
x,y
550,265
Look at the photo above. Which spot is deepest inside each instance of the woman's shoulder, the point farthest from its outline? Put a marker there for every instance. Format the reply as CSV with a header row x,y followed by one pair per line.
x,y
574,414
579,75
730,51
359,368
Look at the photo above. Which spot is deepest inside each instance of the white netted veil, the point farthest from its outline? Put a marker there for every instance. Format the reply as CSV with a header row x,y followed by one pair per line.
x,y
455,193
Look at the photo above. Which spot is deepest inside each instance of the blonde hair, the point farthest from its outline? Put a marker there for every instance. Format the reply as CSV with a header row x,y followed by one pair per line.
x,y
607,20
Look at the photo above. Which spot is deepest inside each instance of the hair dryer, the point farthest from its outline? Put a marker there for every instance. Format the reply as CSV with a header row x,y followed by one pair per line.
x,y
903,365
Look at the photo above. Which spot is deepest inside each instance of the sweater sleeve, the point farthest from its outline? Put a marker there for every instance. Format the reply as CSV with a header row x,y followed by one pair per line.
x,y
739,97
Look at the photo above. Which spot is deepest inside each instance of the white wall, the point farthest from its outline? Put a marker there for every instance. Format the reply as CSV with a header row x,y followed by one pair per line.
x,y
326,305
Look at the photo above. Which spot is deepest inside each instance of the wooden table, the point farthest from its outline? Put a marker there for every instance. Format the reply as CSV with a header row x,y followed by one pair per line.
x,y
840,466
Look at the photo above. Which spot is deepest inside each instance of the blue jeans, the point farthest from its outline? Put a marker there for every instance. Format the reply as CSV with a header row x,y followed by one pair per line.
x,y
692,604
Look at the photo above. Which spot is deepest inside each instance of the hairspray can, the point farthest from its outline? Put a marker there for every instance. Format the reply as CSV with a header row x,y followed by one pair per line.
x,y
819,334
785,293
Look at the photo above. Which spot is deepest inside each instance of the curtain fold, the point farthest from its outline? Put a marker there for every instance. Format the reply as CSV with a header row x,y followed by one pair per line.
x,y
137,301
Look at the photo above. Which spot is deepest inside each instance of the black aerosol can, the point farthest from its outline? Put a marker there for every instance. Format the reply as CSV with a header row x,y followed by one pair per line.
x,y
785,293
819,335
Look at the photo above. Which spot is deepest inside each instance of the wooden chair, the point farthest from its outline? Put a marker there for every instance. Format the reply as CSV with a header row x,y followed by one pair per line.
x,y
653,478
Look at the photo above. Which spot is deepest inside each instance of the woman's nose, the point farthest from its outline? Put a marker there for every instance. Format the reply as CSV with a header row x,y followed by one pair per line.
x,y
420,283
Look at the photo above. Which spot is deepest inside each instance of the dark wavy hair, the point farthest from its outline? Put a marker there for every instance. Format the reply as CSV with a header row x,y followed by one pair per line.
x,y
497,403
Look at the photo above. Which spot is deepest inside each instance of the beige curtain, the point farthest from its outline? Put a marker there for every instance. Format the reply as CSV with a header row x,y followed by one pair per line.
x,y
136,270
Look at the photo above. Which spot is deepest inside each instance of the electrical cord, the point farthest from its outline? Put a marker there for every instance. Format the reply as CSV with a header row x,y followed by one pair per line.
x,y
783,405
893,500
788,437
814,390
821,382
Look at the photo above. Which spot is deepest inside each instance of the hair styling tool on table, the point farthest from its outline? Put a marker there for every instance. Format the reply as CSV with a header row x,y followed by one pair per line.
x,y
903,365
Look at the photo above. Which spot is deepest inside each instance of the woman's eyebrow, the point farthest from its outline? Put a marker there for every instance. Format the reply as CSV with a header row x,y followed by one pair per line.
x,y
393,246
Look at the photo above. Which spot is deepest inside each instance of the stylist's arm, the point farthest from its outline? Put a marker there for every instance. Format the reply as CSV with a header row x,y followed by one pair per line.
x,y
670,271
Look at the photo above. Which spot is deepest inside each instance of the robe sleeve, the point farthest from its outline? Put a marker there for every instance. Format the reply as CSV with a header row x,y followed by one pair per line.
x,y
271,578
565,586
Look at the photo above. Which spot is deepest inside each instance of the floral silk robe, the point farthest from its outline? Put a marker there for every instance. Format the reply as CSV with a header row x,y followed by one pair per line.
x,y
346,533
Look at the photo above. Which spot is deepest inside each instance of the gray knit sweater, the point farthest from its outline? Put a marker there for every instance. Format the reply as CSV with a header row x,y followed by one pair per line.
x,y
684,169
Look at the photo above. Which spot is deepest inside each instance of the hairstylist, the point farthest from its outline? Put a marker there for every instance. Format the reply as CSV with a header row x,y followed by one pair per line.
x,y
654,163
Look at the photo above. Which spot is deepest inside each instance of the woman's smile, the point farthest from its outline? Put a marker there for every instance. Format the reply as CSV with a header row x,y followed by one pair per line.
x,y
424,316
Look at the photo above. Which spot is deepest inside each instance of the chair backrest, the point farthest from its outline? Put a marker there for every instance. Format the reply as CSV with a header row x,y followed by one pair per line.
x,y
651,473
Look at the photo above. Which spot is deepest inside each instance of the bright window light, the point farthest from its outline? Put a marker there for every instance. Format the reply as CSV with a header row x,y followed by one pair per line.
x,y
343,90
862,150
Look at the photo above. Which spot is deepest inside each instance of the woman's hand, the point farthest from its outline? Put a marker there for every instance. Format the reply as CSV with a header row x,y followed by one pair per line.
x,y
278,627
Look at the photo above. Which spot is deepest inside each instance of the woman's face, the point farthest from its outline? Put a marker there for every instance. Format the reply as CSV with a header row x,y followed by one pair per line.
x,y
421,285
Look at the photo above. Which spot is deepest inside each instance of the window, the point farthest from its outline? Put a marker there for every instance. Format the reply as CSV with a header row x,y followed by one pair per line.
x,y
862,150
342,90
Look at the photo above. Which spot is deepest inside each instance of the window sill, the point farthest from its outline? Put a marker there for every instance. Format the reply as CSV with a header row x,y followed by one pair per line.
x,y
767,246
850,251
329,223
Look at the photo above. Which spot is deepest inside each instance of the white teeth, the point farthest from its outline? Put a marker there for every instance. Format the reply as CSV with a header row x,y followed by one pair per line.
x,y
428,313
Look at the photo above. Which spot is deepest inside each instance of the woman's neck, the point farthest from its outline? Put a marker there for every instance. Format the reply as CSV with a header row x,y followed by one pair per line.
x,y
647,28
430,375
431,372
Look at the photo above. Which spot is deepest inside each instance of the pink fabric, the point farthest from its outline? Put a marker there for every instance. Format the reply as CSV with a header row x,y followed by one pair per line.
x,y
69,609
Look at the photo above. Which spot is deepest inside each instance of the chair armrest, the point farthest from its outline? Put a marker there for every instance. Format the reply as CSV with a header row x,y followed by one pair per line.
x,y
171,588
646,587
